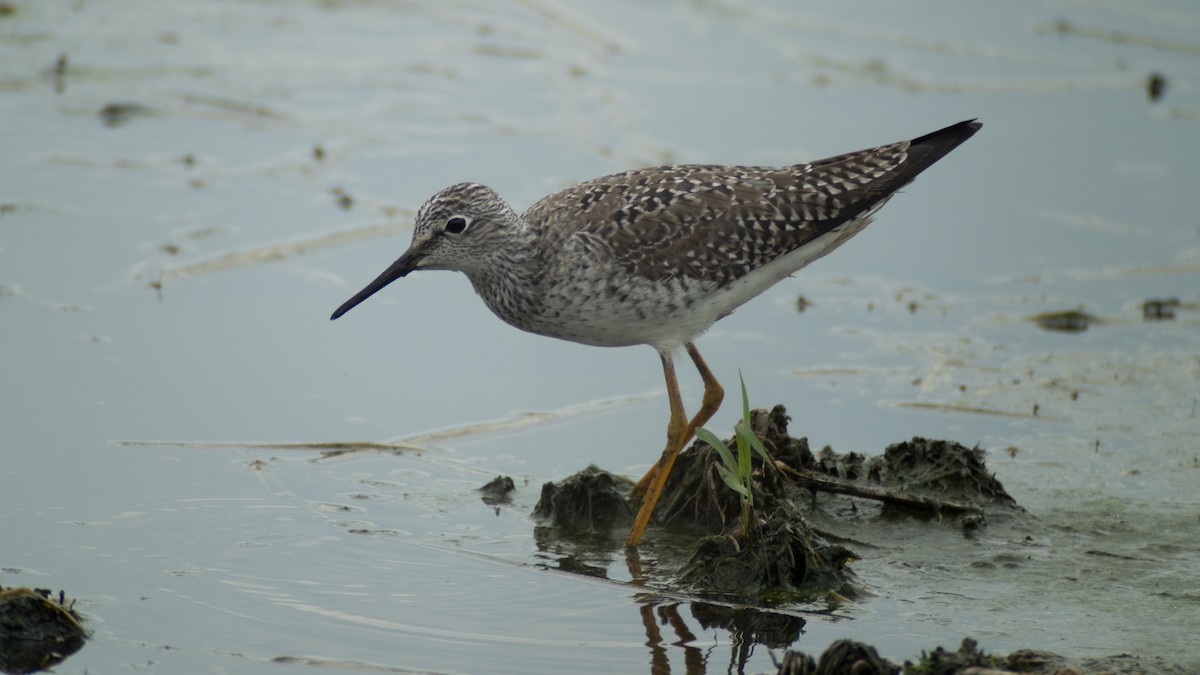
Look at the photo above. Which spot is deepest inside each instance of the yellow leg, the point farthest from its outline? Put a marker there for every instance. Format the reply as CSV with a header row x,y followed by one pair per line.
x,y
714,393
679,432
657,476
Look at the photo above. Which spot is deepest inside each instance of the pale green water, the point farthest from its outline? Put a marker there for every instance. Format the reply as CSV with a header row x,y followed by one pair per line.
x,y
1078,192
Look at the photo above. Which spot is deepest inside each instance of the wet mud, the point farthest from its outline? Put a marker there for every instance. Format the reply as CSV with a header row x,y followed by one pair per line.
x,y
743,577
751,570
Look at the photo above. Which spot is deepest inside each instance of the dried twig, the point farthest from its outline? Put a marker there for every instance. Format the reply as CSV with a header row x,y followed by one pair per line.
x,y
814,481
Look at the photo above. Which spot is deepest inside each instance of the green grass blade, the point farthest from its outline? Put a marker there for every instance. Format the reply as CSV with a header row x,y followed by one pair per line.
x,y
750,436
760,448
732,481
745,437
745,399
718,445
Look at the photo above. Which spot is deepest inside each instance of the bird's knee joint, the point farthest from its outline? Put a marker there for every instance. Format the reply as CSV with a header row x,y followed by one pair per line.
x,y
676,428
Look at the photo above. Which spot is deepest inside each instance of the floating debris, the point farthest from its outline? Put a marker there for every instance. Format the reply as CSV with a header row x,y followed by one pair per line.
x,y
1068,321
1156,86
1160,310
343,198
59,73
1065,27
120,114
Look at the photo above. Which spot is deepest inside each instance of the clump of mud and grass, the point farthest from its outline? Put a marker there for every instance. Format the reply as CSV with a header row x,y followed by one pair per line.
x,y
755,543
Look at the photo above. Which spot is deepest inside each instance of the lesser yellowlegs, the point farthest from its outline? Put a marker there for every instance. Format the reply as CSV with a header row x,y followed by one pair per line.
x,y
656,256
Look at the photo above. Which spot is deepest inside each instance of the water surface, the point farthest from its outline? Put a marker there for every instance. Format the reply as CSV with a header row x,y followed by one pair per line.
x,y
188,189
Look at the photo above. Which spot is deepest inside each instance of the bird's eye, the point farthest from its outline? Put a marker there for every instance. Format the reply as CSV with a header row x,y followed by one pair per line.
x,y
456,225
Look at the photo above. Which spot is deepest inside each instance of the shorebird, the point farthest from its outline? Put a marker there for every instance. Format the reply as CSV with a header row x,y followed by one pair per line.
x,y
656,256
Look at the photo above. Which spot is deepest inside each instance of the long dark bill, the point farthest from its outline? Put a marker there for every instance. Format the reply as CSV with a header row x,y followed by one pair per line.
x,y
403,265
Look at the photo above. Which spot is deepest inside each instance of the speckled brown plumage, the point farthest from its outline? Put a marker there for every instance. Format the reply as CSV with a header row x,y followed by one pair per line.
x,y
610,260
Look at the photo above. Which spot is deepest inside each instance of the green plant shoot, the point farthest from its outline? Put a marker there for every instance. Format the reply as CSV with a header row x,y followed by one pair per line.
x,y
736,471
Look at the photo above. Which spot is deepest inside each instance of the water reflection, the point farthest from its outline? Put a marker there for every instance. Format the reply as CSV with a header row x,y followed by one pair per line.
x,y
661,609
748,627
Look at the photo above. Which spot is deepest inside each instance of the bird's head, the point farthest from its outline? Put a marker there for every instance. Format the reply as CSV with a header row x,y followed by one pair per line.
x,y
459,229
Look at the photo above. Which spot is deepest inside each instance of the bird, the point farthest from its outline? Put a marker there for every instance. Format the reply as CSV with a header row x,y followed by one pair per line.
x,y
656,256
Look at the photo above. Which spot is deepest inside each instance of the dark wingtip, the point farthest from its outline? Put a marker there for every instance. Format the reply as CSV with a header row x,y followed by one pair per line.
x,y
925,150
951,135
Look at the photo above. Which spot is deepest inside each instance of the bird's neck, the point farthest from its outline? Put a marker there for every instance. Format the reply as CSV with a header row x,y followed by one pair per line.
x,y
511,281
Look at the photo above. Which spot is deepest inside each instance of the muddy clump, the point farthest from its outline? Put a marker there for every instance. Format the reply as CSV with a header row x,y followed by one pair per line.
x,y
588,502
843,656
846,656
918,475
37,631
497,491
942,469
785,560
695,496
948,472
775,556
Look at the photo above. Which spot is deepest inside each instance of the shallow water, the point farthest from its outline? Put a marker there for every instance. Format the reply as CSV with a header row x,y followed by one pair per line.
x,y
166,282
